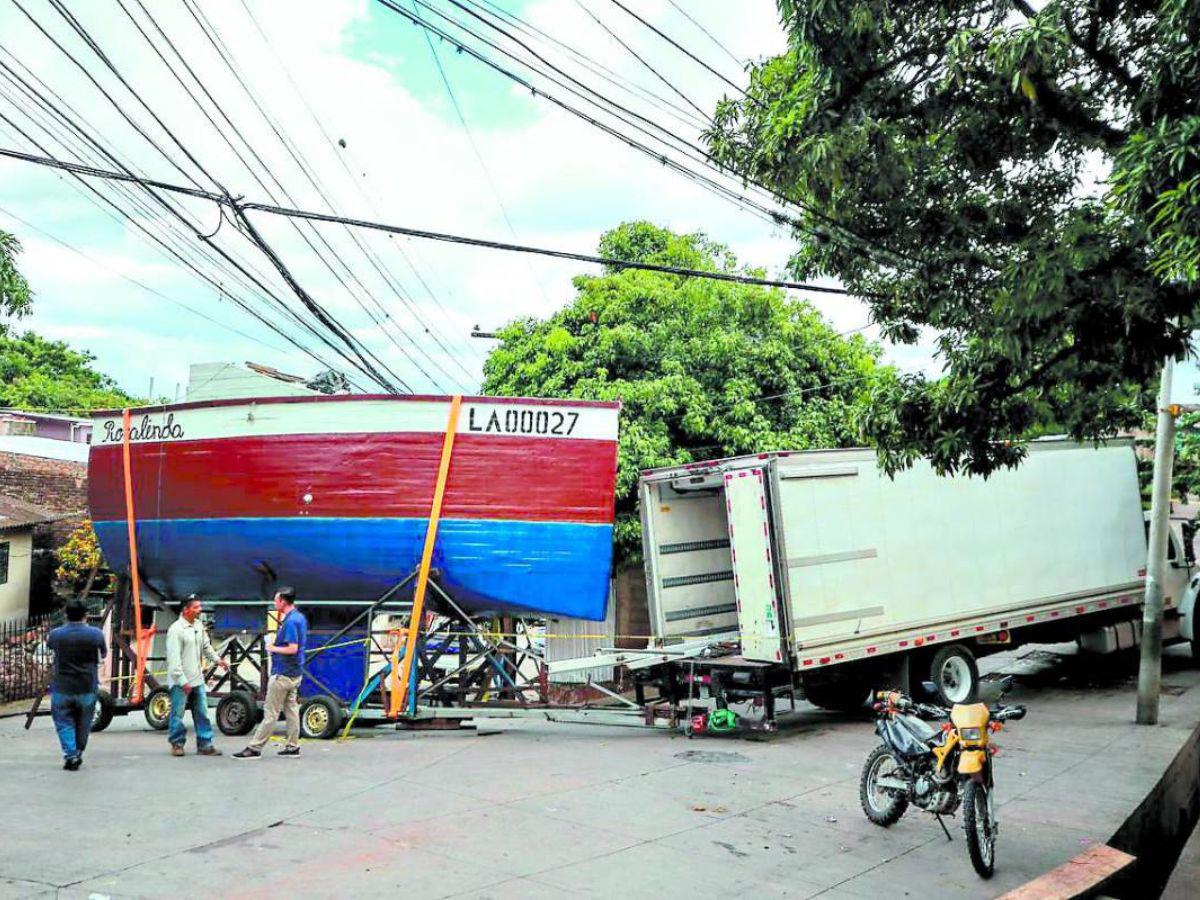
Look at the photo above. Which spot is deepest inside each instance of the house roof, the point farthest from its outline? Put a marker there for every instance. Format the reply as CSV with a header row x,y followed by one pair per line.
x,y
46,448
16,513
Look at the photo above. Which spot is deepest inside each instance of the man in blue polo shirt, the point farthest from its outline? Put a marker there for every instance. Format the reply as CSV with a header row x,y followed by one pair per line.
x,y
78,649
287,669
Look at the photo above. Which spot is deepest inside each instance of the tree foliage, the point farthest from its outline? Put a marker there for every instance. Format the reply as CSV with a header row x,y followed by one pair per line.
x,y
1022,179
36,373
14,290
78,556
703,369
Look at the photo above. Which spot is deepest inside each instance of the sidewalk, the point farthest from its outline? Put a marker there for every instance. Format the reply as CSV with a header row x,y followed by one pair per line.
x,y
545,810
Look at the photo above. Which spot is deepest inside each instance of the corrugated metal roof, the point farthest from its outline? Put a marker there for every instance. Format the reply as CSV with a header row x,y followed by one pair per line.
x,y
16,513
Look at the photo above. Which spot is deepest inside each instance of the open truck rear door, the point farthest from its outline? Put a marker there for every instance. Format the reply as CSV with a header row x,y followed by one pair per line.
x,y
755,583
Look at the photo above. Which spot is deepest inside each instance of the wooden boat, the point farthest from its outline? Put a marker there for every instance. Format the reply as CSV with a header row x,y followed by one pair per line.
x,y
332,494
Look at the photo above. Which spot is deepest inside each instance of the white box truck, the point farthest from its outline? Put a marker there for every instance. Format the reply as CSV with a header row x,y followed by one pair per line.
x,y
830,577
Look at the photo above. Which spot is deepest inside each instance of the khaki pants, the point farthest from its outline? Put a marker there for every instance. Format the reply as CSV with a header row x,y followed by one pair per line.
x,y
283,695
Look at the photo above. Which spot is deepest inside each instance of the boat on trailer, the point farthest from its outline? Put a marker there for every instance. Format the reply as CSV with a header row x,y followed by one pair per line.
x,y
332,494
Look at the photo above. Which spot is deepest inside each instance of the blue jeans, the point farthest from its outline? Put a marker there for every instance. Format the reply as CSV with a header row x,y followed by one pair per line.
x,y
197,701
72,715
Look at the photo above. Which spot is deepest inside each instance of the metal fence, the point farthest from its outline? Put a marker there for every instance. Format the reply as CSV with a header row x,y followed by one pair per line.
x,y
25,659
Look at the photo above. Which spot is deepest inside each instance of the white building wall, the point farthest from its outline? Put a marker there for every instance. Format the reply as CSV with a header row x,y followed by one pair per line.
x,y
14,593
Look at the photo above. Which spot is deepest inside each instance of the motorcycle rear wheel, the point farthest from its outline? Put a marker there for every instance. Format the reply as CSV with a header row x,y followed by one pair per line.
x,y
980,829
880,805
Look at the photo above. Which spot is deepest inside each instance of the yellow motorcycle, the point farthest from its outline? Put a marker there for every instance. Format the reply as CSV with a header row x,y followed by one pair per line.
x,y
937,769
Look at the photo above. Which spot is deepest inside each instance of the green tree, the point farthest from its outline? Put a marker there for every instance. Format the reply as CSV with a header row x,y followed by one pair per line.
x,y
14,290
1023,181
703,368
39,374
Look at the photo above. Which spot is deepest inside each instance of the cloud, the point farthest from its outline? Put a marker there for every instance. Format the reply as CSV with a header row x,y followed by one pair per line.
x,y
365,78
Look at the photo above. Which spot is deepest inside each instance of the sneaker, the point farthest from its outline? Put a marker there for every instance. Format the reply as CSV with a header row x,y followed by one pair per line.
x,y
248,753
289,751
72,764
177,750
210,750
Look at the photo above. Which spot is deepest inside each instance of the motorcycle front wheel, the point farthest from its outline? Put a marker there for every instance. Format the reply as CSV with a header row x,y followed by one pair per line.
x,y
980,828
882,806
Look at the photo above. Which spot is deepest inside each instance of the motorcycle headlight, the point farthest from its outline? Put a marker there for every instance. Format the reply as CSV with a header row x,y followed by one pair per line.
x,y
971,734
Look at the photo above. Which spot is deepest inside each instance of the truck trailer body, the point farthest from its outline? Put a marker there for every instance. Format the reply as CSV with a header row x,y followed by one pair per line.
x,y
818,560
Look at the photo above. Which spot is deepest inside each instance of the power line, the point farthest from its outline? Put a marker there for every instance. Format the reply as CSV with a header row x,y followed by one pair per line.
x,y
323,316
678,46
740,200
667,137
613,77
288,212
462,120
706,32
297,157
381,268
653,71
177,254
250,149
145,287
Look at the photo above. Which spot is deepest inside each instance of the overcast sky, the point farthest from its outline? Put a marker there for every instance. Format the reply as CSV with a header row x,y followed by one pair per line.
x,y
350,72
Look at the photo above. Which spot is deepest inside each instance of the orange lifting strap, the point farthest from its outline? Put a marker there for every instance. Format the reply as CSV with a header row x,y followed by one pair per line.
x,y
142,641
401,674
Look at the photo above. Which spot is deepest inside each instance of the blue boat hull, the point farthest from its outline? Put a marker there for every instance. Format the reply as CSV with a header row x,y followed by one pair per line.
x,y
562,568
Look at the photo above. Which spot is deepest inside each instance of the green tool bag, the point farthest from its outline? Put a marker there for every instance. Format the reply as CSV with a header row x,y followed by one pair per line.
x,y
722,720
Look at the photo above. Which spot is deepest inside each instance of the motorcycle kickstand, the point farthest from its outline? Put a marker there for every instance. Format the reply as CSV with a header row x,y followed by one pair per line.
x,y
944,829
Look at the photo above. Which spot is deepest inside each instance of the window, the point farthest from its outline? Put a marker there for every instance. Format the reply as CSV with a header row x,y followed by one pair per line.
x,y
4,562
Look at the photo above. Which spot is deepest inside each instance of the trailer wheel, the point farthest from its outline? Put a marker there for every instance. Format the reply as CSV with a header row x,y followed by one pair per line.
x,y
237,714
105,708
157,709
320,717
955,674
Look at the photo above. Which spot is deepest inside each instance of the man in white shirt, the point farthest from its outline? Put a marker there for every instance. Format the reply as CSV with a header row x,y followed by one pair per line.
x,y
188,649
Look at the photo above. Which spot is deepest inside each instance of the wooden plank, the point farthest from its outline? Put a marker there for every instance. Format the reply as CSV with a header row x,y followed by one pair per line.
x,y
402,675
1077,877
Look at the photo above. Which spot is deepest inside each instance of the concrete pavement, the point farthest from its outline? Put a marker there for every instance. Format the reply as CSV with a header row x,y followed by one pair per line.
x,y
543,810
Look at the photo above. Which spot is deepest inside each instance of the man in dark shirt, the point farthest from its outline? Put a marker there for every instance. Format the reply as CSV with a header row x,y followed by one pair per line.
x,y
287,672
78,649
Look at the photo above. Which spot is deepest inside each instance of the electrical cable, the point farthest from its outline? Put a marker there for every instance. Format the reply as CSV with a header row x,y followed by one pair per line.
x,y
290,149
137,224
653,71
683,12
387,274
134,281
613,77
864,243
239,205
270,174
322,315
678,46
487,174
740,200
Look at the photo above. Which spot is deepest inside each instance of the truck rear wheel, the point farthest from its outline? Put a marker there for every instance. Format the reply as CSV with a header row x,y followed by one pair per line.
x,y
839,696
955,674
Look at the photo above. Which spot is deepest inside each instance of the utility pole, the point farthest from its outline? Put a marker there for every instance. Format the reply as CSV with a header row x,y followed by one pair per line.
x,y
1150,670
